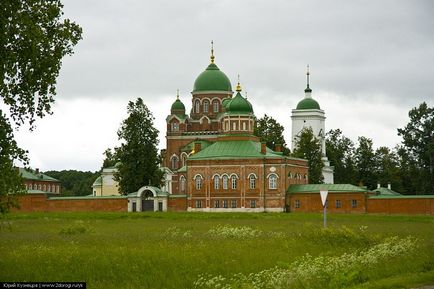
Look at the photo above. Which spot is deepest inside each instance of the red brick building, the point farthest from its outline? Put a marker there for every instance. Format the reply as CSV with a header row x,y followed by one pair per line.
x,y
37,182
216,161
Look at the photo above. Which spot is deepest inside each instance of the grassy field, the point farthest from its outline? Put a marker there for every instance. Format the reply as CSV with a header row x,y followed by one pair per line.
x,y
218,250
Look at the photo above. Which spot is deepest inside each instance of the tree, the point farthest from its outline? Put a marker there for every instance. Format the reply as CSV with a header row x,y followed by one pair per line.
x,y
309,147
271,132
340,152
365,163
138,153
74,183
111,158
33,40
387,168
418,146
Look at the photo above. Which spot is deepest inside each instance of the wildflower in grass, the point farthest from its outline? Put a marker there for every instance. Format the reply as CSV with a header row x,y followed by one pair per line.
x,y
319,272
234,232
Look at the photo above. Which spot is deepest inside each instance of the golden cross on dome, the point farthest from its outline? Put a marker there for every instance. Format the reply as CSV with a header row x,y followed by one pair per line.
x,y
177,93
212,51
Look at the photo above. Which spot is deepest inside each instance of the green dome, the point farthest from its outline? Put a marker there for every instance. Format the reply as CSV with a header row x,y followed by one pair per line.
x,y
308,103
212,79
177,105
239,104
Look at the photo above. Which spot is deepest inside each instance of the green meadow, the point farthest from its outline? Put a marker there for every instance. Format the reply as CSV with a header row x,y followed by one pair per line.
x,y
218,250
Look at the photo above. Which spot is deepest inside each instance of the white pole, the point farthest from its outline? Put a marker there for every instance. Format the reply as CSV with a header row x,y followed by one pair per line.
x,y
325,215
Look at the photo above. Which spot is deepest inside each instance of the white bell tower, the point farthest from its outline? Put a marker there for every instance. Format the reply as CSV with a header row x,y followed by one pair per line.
x,y
309,114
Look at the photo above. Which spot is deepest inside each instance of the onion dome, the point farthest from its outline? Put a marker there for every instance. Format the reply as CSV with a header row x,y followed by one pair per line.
x,y
212,79
239,104
177,106
308,102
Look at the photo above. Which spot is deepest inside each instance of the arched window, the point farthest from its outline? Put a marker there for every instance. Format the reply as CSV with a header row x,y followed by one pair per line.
x,y
225,182
197,106
252,181
174,161
216,182
44,188
198,181
215,105
234,182
234,126
183,158
244,126
183,183
205,106
39,187
272,181
175,126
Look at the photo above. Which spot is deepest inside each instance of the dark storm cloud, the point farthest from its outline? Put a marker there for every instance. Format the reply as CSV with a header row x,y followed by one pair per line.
x,y
358,48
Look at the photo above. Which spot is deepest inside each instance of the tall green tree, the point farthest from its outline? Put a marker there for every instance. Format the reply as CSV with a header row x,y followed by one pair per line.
x,y
110,158
271,132
309,147
387,168
138,153
365,163
418,147
340,152
33,40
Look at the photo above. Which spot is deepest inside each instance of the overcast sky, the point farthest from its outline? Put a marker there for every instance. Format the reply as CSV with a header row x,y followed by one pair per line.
x,y
371,62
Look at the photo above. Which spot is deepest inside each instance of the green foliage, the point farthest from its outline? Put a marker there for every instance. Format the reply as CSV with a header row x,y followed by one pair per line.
x,y
271,132
10,180
138,153
365,163
78,227
110,158
309,147
417,149
340,152
74,183
387,168
35,37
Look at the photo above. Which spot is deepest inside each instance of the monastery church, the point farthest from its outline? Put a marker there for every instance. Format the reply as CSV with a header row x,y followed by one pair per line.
x,y
212,160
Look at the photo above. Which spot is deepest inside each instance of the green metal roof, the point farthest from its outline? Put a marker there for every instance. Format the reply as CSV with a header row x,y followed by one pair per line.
x,y
88,197
402,197
97,182
32,175
238,105
178,105
334,188
190,146
234,150
212,79
183,169
308,103
385,191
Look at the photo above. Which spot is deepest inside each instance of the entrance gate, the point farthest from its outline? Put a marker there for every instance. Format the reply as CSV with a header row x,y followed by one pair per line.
x,y
147,201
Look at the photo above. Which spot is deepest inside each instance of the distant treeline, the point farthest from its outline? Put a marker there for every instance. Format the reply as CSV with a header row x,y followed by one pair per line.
x,y
74,183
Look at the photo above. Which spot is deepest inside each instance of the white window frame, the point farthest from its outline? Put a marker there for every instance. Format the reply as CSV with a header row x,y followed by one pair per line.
x,y
198,182
216,182
252,182
225,182
215,105
272,181
205,106
197,106
234,182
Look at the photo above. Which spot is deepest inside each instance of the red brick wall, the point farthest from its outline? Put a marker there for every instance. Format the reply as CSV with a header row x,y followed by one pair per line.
x,y
411,206
177,204
311,202
40,203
